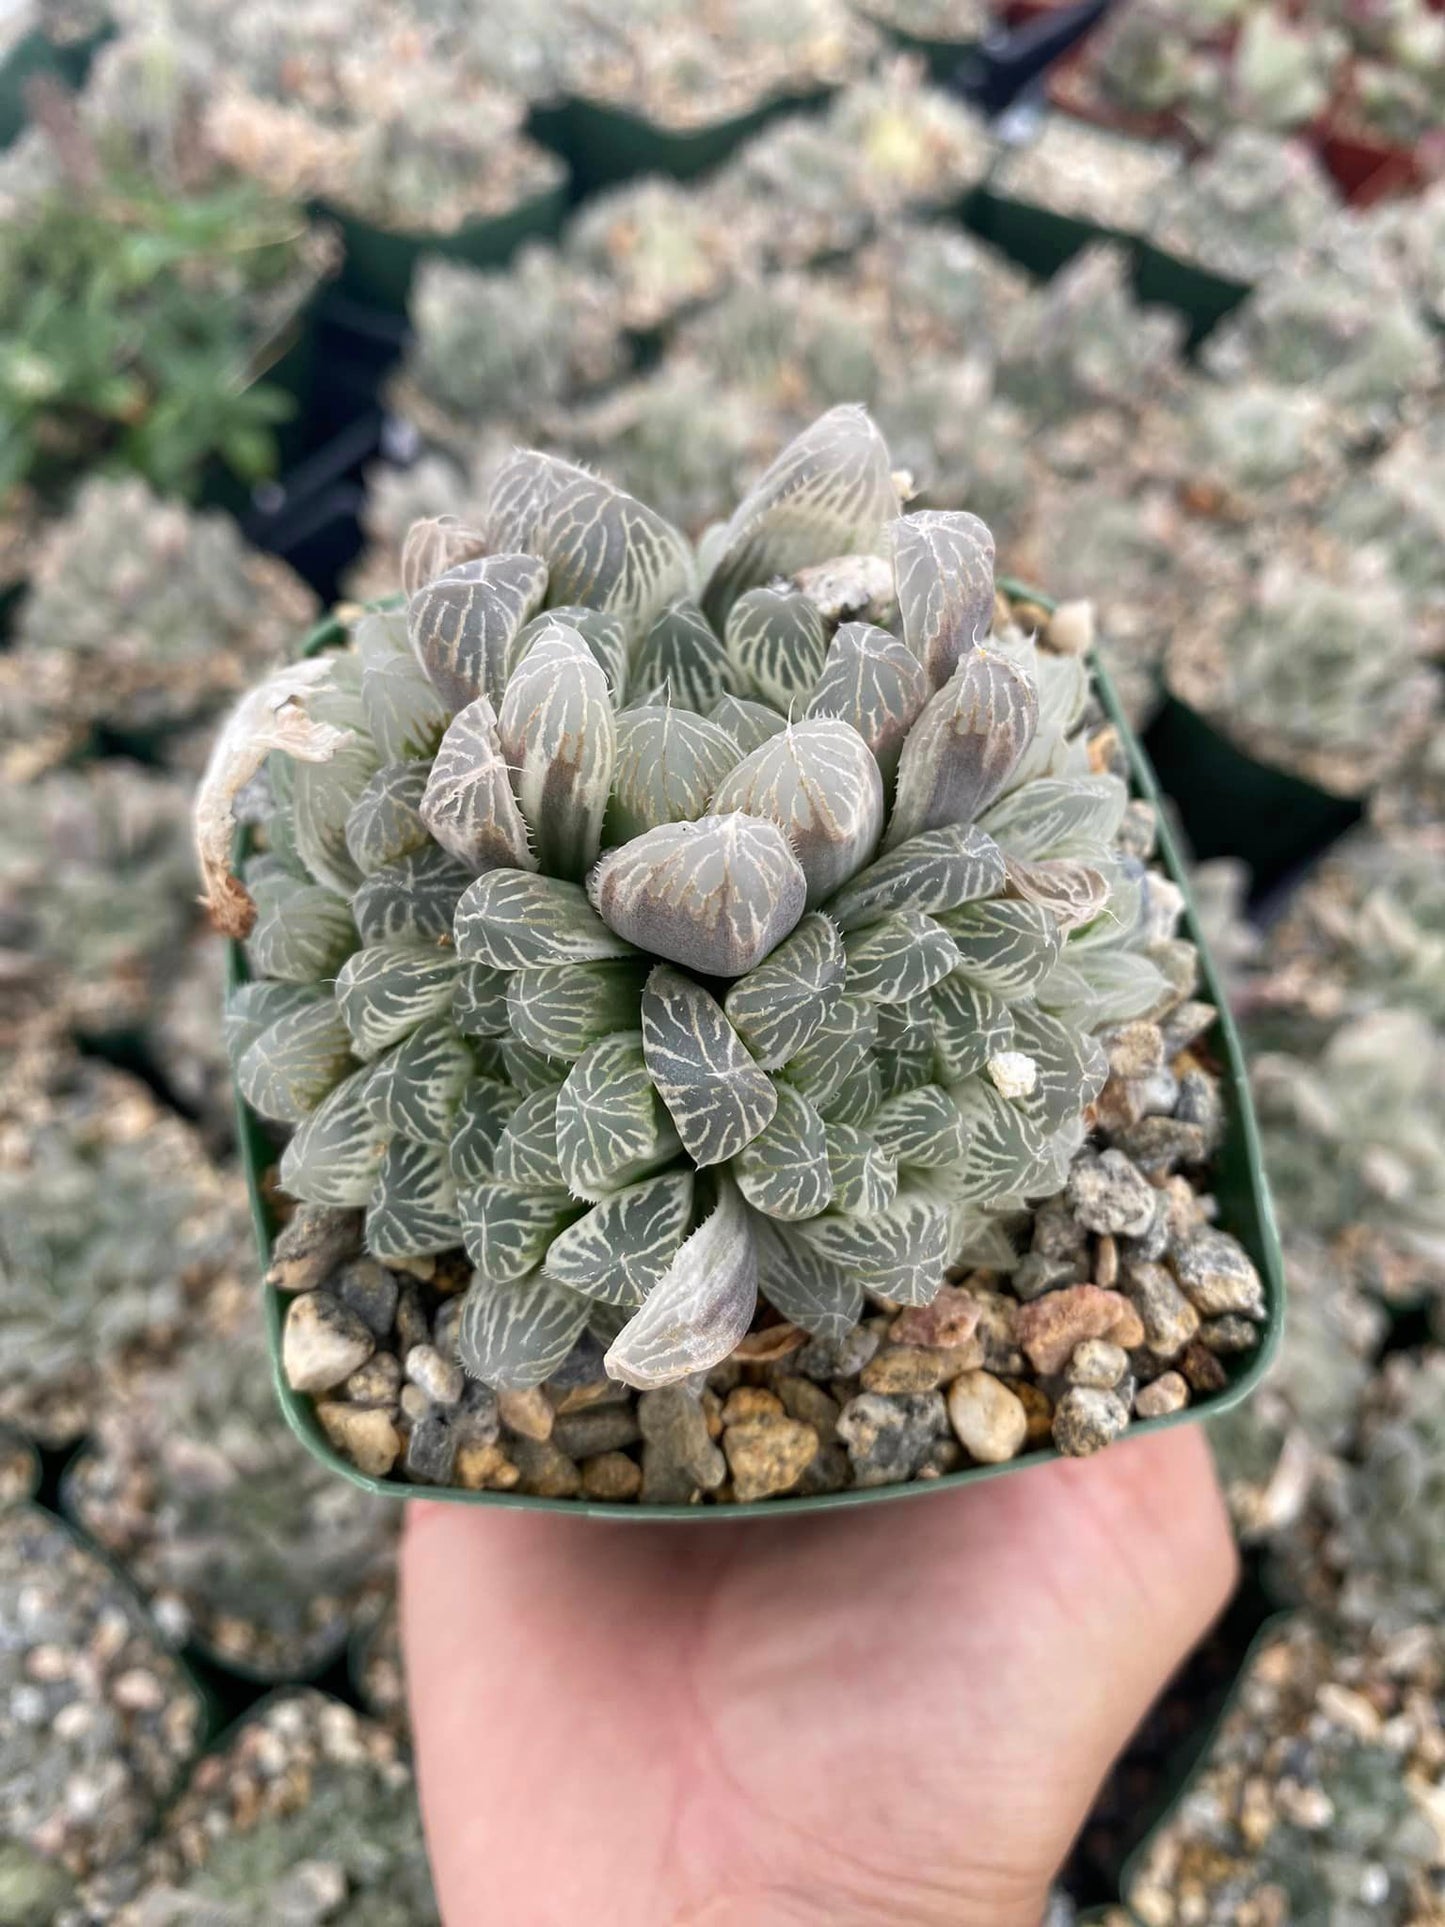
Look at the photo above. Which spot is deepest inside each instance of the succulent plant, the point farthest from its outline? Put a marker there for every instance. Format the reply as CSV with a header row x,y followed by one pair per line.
x,y
114,1228
1254,447
1083,341
1390,1548
1398,507
98,1721
1411,231
197,1484
143,616
1245,206
508,341
1087,174
669,930
1147,56
1281,72
309,1815
941,20
656,246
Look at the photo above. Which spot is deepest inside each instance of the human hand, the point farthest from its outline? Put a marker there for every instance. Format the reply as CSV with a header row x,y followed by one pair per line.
x,y
890,1717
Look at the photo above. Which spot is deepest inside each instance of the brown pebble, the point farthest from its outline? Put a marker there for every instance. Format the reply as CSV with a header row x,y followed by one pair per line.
x,y
607,1428
908,1368
1050,1327
313,1243
1136,1049
1217,1274
362,1433
1162,1395
1202,1369
804,1400
751,1401
1086,1419
771,1343
1106,1262
581,1398
951,1319
484,1468
611,1476
998,1329
942,1457
1038,1410
530,1414
767,1455
322,1342
989,1419
544,1471
1097,1361
1229,1334
377,1382
1170,1321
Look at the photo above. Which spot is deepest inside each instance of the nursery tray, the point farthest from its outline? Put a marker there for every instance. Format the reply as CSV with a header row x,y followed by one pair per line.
x,y
604,144
1240,1186
380,261
1231,804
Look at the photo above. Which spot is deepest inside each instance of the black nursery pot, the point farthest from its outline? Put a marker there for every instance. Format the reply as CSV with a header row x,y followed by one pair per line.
x,y
1201,296
380,261
1230,804
1240,1186
604,144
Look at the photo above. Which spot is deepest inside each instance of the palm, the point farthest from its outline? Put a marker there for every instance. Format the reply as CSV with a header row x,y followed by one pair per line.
x,y
893,1715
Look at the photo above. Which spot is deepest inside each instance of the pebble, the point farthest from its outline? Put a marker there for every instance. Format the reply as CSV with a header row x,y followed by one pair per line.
x,y
1185,1025
1167,1393
529,1414
750,1401
544,1471
767,1454
943,1456
311,1245
951,1319
362,1433
887,1437
1108,1194
410,1321
1201,1102
1217,1275
1159,1144
606,1428
989,1419
377,1382
1097,1362
804,1400
431,1449
1053,1325
1134,1050
611,1477
998,1328
1106,1262
911,1368
1086,1419
1035,1274
1038,1410
822,1359
322,1342
477,1417
482,1466
1229,1335
830,1470
1202,1369
441,1380
580,1380
1059,1237
369,1290
1071,628
678,1457
414,1403
1170,1321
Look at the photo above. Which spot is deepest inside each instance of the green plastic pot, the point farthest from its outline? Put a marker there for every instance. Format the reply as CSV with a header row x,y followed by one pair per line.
x,y
1201,296
380,262
1231,804
604,144
1242,1191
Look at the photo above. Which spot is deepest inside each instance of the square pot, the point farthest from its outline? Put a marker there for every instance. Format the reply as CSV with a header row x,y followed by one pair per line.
x,y
1240,1186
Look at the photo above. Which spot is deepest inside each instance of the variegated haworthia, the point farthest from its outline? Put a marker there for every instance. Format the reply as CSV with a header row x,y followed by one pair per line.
x,y
663,940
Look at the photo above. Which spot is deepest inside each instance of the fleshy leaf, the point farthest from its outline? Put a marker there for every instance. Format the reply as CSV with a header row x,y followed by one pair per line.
x,y
507,1227
254,1007
413,1210
811,1291
1071,1067
776,643
830,492
514,1335
526,1154
933,872
481,1117
874,683
302,932
900,1253
749,724
784,1171
415,1089
434,545
669,762
514,920
412,900
1005,946
943,567
287,1070
562,1008
1073,892
531,1070
922,1127
385,820
462,625
776,1008
604,634
479,1001
622,1246
385,991
1058,816
404,713
715,896
322,794
899,958
681,653
818,782
607,550
1118,984
837,1047
964,746
557,735
612,1127
865,1178
718,1097
1004,1147
469,806
853,1098
970,1025
701,1306
334,1156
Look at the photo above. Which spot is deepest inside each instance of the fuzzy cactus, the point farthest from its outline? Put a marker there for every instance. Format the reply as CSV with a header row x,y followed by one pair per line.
x,y
1242,209
681,931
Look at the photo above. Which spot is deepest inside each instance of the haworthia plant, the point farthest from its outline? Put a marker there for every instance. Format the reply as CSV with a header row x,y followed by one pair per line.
x,y
688,953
